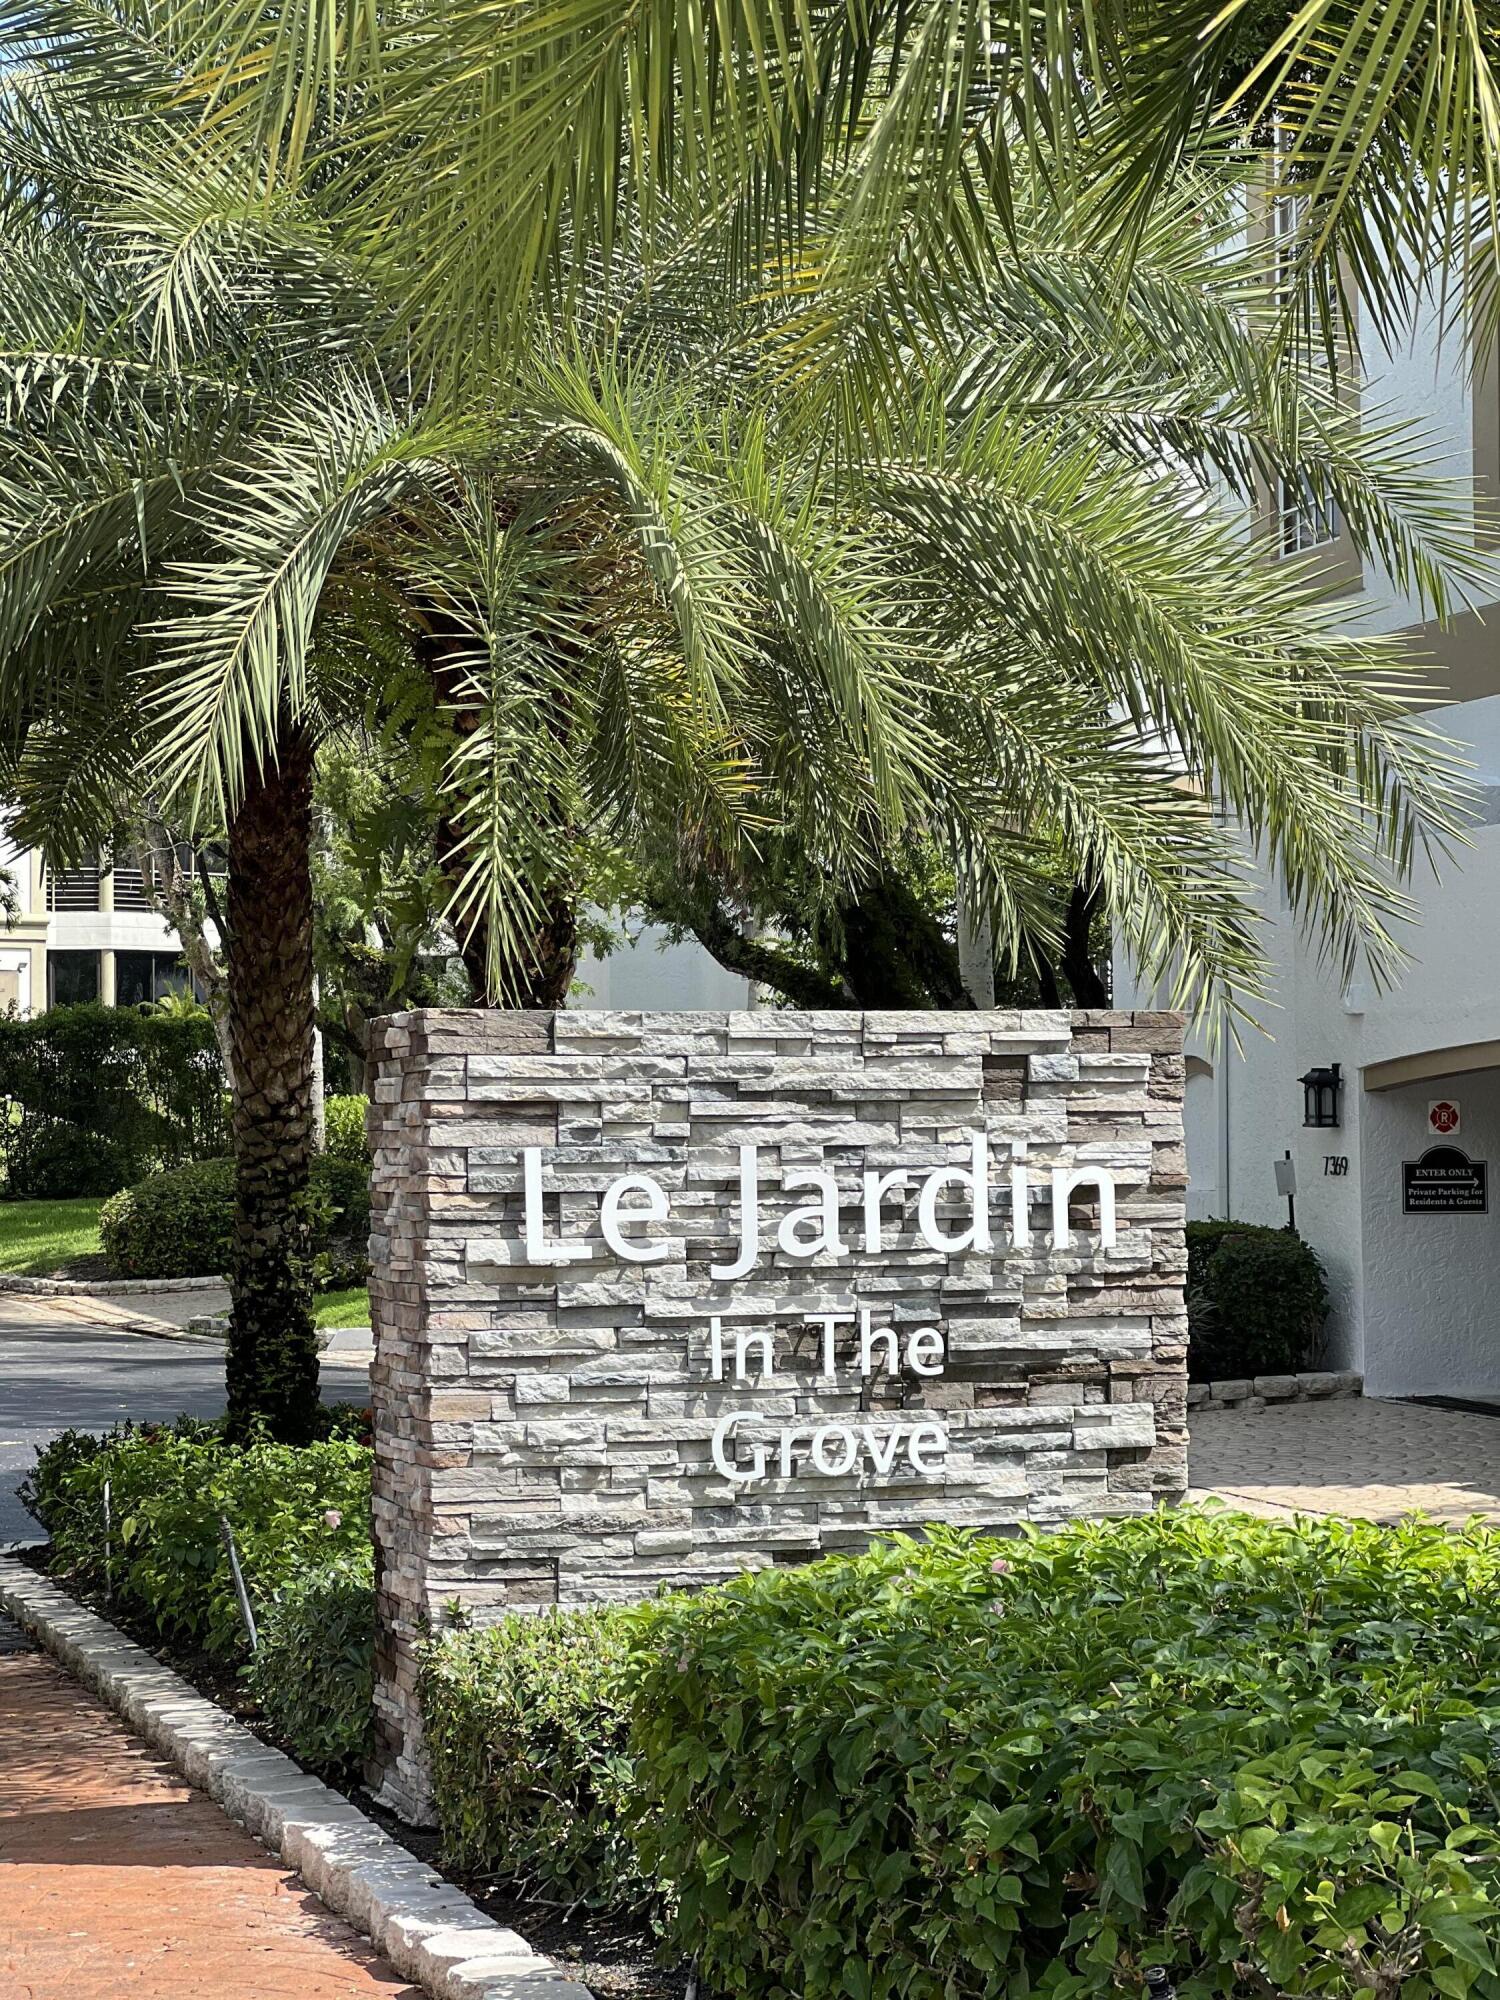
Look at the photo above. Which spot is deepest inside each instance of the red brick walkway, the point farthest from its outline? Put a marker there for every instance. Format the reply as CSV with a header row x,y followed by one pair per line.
x,y
118,1880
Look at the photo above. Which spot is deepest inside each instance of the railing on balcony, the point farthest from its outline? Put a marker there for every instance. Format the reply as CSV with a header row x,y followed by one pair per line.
x,y
130,889
74,888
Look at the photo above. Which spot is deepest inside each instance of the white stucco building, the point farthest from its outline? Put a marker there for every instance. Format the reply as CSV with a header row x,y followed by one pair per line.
x,y
87,933
1417,1291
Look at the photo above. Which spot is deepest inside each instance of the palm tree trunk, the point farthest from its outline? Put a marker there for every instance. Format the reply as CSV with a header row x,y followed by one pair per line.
x,y
1089,990
272,1361
540,973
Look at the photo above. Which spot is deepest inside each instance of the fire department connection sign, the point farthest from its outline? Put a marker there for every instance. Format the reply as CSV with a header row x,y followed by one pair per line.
x,y
1443,1117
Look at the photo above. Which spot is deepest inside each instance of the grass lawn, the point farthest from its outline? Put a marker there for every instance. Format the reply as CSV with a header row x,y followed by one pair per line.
x,y
39,1237
342,1308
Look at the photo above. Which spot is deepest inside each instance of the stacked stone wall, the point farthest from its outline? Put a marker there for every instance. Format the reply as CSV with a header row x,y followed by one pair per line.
x,y
545,1431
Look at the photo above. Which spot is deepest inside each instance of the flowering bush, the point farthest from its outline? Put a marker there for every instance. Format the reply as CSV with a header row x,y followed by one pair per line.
x,y
160,1552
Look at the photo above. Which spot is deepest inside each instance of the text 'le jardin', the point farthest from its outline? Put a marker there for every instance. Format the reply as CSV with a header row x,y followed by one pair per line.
x,y
813,1229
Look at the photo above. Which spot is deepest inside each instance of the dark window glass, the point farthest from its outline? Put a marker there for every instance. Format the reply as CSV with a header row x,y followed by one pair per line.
x,y
134,978
72,976
141,976
168,975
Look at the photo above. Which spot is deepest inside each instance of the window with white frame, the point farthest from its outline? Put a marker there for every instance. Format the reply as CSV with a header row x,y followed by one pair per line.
x,y
1303,521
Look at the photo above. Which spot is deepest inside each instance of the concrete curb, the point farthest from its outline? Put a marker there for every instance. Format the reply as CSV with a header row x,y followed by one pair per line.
x,y
104,1288
431,1932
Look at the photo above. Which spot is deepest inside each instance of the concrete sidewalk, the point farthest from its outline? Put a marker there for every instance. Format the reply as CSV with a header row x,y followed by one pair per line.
x,y
163,1313
117,1879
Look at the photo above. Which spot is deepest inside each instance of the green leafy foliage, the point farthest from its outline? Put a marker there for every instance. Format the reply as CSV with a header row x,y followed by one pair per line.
x,y
292,1508
314,1671
344,1126
888,555
1257,1299
1259,1754
46,1490
178,1225
340,1196
68,1162
102,1094
526,1726
379,887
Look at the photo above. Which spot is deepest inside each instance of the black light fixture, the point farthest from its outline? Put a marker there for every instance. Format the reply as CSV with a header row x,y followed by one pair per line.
x,y
1320,1096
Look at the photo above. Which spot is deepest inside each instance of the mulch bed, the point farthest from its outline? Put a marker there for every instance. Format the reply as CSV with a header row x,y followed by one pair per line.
x,y
93,1267
615,1960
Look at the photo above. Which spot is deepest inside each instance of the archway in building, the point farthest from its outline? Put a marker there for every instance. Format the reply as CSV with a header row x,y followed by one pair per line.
x,y
1430,1135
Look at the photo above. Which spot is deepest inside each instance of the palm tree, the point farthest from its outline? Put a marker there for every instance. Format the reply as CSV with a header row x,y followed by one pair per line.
x,y
855,138
655,577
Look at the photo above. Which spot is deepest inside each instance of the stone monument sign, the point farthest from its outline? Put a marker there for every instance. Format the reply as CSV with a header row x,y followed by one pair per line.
x,y
658,1297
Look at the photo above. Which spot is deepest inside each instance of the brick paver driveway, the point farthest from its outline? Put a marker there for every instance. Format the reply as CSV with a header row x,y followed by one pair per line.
x,y
1357,1456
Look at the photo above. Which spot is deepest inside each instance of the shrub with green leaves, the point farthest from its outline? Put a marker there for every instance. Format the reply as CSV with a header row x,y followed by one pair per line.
x,y
46,1491
1257,1299
314,1672
344,1129
292,1509
120,1088
525,1724
65,1162
175,1225
179,1224
1263,1755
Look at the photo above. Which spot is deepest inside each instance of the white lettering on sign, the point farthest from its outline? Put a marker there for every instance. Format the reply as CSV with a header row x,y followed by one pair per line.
x,y
833,1450
811,1228
610,1217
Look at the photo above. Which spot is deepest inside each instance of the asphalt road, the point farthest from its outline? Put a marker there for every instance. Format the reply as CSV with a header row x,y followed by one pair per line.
x,y
53,1378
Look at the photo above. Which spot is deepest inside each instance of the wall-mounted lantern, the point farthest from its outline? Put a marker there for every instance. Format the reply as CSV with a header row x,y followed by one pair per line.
x,y
1320,1096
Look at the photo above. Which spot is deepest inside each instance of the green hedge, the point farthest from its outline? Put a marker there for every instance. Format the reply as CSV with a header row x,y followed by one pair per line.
x,y
344,1128
180,1224
292,1508
1257,1299
314,1672
65,1162
1263,1755
146,1086
526,1727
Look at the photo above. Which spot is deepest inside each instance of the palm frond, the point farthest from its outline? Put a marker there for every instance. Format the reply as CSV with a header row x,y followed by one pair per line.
x,y
233,661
